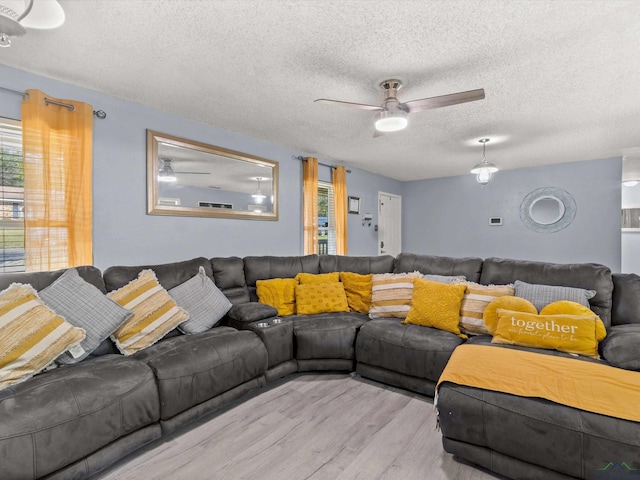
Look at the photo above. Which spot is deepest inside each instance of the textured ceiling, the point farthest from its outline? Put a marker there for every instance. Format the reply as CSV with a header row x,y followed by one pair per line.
x,y
561,77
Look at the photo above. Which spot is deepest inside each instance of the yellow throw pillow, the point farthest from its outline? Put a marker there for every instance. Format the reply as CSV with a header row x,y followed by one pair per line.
x,y
31,335
574,308
437,305
155,313
358,290
391,294
280,293
517,304
566,333
327,297
476,298
303,278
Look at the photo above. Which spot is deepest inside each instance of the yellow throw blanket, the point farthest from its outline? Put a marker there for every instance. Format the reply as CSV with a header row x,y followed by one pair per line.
x,y
587,386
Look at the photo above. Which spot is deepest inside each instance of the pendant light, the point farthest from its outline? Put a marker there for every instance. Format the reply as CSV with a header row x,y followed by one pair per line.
x,y
259,196
484,169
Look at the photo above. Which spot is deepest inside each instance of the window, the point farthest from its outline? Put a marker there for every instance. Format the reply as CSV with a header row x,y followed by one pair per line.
x,y
326,220
11,197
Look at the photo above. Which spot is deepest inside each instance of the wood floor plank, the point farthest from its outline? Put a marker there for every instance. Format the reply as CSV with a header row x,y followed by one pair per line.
x,y
307,427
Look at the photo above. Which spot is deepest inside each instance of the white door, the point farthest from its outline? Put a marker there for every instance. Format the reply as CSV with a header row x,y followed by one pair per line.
x,y
389,224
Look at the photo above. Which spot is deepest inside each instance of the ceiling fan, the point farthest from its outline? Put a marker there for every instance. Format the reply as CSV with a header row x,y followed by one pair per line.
x,y
392,114
168,174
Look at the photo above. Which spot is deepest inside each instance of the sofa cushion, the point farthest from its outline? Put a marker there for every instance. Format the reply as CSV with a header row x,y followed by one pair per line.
x,y
487,340
191,369
228,275
155,313
437,305
469,267
266,267
391,294
358,290
444,278
31,335
314,298
539,432
566,307
280,293
40,280
363,265
412,350
620,348
543,295
169,275
578,334
626,299
202,300
250,312
328,335
304,278
57,418
589,276
83,305
505,302
476,299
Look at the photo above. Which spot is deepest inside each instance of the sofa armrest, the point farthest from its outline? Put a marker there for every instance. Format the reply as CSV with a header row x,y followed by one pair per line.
x,y
245,313
620,347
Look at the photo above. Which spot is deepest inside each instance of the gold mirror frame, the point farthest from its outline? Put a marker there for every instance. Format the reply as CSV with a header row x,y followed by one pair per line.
x,y
253,164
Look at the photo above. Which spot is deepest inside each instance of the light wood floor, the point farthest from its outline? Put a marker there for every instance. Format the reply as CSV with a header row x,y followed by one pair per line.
x,y
308,426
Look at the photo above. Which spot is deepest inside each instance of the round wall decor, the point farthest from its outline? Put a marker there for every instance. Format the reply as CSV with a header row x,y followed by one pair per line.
x,y
548,210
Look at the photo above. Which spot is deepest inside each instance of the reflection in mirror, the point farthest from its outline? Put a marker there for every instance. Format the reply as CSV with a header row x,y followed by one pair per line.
x,y
546,210
195,179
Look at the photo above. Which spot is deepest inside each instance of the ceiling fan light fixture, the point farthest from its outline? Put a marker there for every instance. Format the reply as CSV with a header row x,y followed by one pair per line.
x,y
45,15
630,183
164,177
15,15
484,170
391,121
166,172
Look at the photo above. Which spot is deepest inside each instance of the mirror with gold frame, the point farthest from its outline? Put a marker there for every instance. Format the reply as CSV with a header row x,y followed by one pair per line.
x,y
189,178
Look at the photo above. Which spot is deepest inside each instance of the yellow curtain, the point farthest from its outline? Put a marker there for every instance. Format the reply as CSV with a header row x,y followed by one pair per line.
x,y
57,156
340,206
310,204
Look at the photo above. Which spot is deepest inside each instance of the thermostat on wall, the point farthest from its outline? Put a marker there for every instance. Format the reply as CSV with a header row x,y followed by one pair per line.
x,y
495,221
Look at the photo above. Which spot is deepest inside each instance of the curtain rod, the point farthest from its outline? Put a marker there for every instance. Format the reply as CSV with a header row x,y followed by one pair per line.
x,y
303,159
101,114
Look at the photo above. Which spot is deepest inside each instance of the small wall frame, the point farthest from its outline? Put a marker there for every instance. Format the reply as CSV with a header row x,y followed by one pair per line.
x,y
354,205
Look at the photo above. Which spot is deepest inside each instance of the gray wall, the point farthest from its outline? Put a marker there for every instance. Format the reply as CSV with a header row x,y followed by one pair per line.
x,y
123,233
450,216
446,216
631,240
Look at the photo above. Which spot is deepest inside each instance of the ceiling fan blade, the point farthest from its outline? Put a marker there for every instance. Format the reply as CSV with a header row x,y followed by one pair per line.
x,y
444,100
377,133
360,106
192,173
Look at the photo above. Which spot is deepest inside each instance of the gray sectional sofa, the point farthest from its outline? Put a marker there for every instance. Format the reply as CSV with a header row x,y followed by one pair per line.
x,y
74,421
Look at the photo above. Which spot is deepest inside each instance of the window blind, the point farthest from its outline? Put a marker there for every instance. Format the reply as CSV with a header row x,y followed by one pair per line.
x,y
11,197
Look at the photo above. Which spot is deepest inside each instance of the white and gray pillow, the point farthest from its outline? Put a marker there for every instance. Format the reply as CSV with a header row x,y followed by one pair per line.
x,y
445,278
204,301
543,295
83,305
